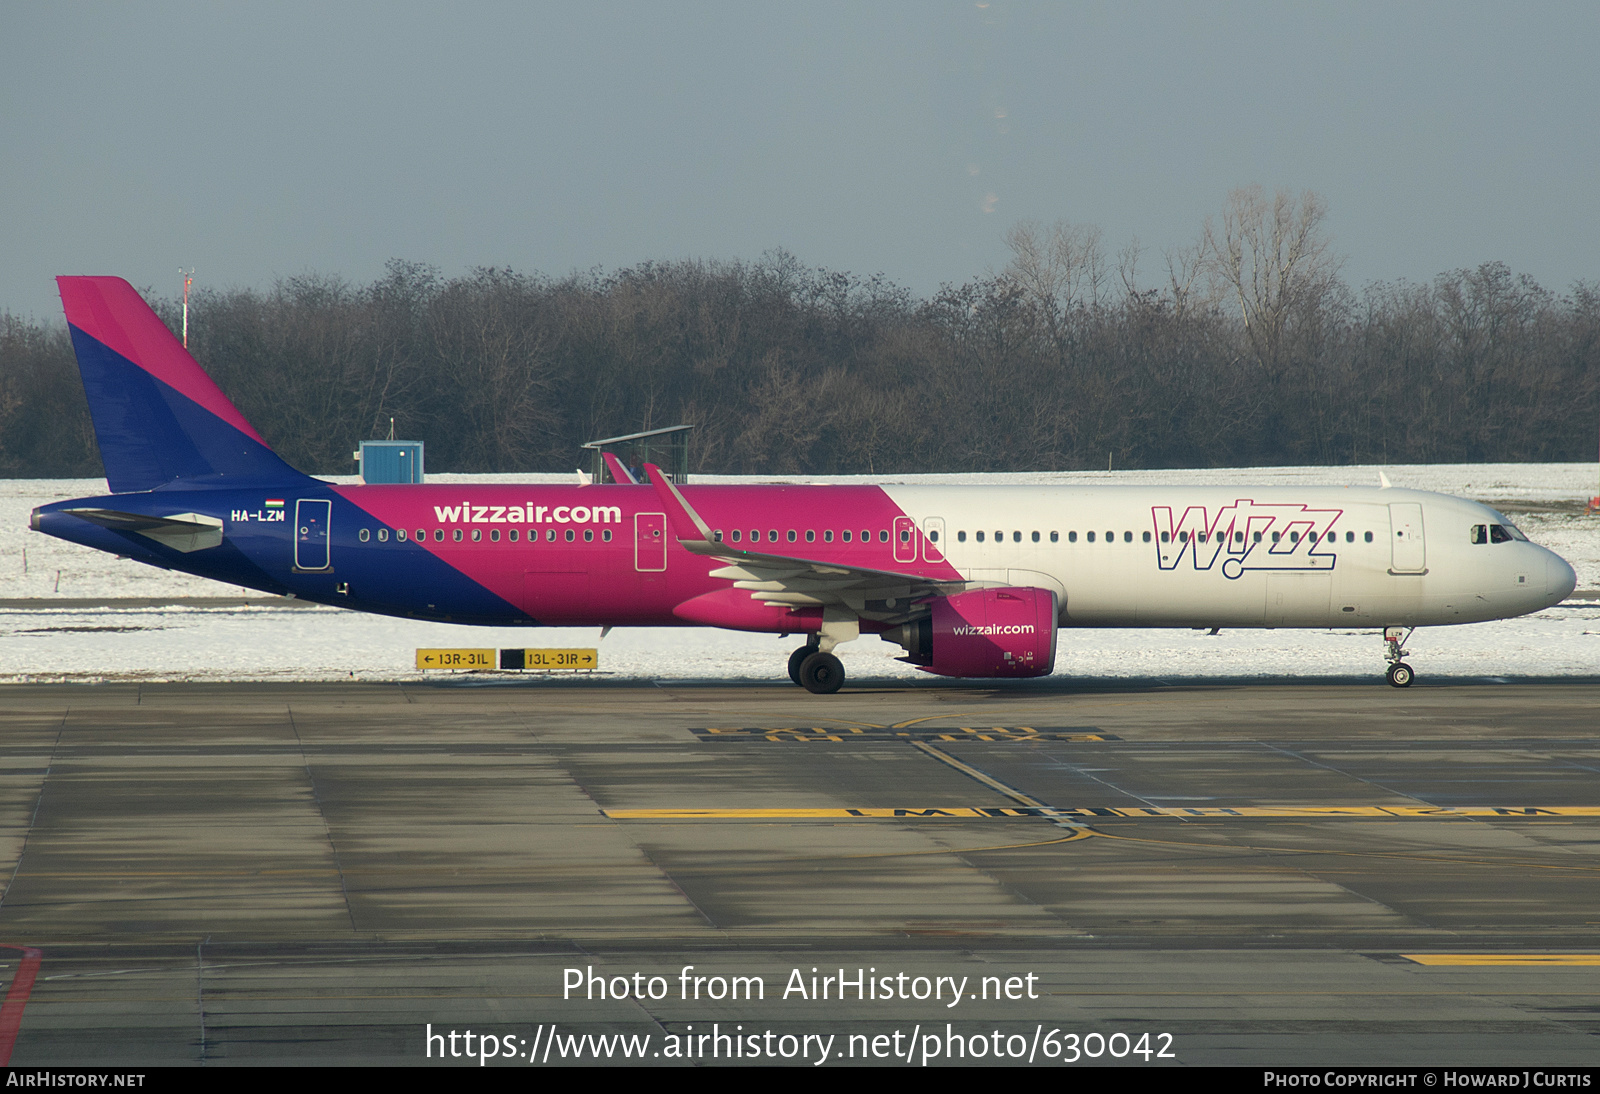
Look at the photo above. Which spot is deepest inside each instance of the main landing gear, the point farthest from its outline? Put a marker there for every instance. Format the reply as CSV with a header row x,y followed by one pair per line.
x,y
813,666
819,673
1399,674
797,658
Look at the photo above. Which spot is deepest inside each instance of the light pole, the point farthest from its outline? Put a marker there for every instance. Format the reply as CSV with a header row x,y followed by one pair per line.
x,y
188,279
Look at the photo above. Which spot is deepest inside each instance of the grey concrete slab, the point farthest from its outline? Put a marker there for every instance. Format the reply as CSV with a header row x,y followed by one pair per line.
x,y
316,873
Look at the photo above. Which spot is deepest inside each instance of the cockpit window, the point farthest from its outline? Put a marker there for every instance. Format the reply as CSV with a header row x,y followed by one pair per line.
x,y
1498,534
1511,529
1480,533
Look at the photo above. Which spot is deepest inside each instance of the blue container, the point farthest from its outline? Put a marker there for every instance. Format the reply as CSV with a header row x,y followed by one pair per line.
x,y
390,461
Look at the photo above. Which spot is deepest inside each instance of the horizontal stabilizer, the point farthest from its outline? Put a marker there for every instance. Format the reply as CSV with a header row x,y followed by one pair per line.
x,y
182,531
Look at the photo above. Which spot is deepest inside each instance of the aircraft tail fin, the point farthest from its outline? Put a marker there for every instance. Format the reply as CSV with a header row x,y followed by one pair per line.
x,y
157,415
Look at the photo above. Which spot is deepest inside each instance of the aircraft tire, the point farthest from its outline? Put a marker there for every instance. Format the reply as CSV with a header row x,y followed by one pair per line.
x,y
1400,675
821,674
796,659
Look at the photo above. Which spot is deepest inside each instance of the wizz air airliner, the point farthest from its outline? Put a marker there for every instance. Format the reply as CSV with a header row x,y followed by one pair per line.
x,y
971,581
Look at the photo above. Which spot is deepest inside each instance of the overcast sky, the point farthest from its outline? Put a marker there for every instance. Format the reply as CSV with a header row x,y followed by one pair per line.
x,y
257,141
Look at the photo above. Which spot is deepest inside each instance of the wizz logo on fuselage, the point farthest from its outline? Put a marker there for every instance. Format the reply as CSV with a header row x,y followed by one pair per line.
x,y
1247,536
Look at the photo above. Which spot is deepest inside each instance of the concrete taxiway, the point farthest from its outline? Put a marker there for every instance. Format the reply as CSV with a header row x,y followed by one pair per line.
x,y
1263,873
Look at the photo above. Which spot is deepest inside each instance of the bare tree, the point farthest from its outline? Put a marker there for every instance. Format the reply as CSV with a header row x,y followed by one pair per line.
x,y
1064,263
1271,255
1186,277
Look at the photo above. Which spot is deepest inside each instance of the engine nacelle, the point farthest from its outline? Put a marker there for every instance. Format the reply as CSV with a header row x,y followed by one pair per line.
x,y
986,632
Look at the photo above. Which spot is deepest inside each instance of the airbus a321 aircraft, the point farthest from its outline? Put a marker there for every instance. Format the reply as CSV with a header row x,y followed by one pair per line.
x,y
971,581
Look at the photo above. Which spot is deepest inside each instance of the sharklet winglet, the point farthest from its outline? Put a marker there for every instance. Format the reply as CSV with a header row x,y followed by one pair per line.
x,y
685,521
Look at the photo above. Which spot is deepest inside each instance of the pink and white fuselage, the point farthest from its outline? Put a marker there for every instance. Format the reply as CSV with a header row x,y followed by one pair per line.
x,y
973,580
1114,556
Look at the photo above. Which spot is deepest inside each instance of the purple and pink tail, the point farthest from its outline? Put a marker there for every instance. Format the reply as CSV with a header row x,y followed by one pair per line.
x,y
157,415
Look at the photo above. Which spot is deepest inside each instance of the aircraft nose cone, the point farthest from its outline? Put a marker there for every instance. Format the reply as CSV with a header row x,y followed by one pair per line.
x,y
1559,578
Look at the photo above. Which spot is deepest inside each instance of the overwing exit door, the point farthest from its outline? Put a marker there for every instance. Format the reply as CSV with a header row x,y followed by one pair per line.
x,y
650,542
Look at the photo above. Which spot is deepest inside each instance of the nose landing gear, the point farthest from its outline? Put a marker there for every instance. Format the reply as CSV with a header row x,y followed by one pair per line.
x,y
1400,674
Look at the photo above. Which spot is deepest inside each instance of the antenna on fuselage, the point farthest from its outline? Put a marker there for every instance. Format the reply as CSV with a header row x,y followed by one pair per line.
x,y
1383,481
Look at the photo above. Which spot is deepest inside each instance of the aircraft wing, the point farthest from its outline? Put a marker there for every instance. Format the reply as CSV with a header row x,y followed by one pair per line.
x,y
619,473
793,581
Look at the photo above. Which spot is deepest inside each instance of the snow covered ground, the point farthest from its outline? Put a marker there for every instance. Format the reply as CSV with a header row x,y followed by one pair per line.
x,y
255,643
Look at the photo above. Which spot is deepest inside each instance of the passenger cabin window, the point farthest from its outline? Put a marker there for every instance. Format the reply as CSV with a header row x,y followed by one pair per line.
x,y
383,535
827,536
979,535
883,536
845,535
961,537
1089,536
1036,537
1072,537
1055,537
1016,537
512,535
494,535
363,535
736,535
1127,537
1147,537
1368,537
400,535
